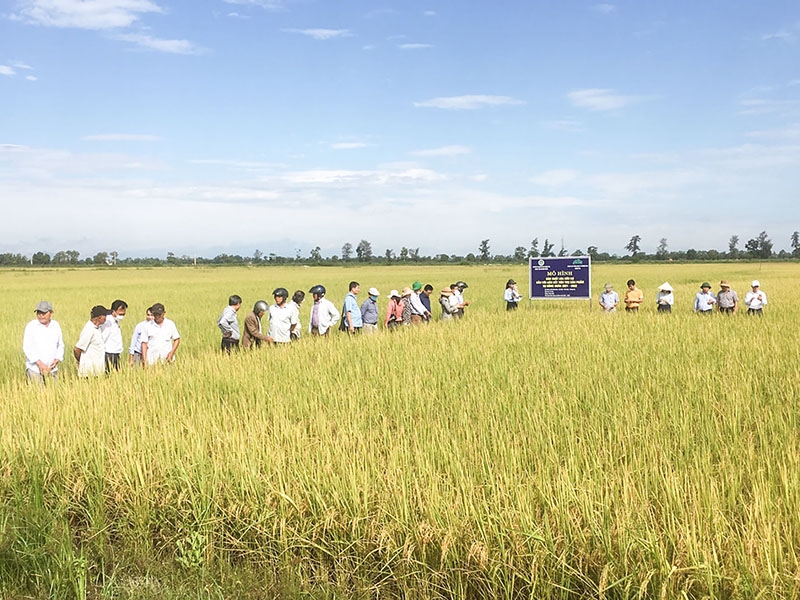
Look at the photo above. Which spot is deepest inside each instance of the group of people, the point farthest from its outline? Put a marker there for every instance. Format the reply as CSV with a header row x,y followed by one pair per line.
x,y
411,306
705,302
99,347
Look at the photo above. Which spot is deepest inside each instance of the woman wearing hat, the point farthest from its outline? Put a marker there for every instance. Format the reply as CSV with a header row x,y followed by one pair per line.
x,y
665,299
394,312
448,309
511,296
406,296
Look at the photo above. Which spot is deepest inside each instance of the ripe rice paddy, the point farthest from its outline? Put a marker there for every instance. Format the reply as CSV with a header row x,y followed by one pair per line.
x,y
552,452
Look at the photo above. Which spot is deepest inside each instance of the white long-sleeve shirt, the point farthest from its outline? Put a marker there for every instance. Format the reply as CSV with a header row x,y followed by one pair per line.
x,y
42,343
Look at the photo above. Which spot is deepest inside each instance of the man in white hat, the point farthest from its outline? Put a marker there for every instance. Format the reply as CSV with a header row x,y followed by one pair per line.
x,y
609,299
755,299
369,311
43,345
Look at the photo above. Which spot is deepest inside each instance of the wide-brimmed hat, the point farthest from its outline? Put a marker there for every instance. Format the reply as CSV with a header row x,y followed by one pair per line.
x,y
705,284
393,294
446,292
417,285
407,291
608,286
755,283
724,283
373,292
665,287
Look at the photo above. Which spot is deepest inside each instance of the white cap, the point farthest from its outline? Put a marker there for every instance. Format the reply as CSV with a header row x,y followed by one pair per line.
x,y
373,292
755,283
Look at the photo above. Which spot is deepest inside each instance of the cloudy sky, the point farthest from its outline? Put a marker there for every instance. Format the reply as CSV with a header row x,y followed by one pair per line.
x,y
147,126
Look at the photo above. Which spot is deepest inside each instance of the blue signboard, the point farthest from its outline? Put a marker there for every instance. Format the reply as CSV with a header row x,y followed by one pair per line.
x,y
561,278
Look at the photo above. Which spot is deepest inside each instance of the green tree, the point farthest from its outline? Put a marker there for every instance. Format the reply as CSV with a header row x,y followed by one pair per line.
x,y
661,251
796,243
547,249
347,251
364,251
520,254
483,250
633,245
534,251
733,250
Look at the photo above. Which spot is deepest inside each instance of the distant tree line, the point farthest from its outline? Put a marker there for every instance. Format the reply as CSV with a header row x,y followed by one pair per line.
x,y
757,248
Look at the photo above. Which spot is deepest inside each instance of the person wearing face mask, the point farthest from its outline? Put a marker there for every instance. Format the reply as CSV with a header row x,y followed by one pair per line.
x,y
135,350
112,334
369,311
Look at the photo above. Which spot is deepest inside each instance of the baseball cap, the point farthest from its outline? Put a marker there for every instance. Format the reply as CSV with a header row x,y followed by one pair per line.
x,y
43,306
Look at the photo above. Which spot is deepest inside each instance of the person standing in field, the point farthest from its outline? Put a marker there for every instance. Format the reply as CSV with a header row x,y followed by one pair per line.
x,y
633,297
228,324
282,318
755,299
112,334
294,304
43,345
458,292
704,301
511,295
394,311
665,298
323,312
456,301
135,349
351,319
406,296
369,311
727,299
253,333
418,310
90,351
160,338
609,299
444,301
425,298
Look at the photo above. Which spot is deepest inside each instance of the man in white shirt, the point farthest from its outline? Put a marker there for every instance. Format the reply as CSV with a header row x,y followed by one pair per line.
x,y
282,318
43,345
160,338
90,350
324,313
135,349
112,334
755,300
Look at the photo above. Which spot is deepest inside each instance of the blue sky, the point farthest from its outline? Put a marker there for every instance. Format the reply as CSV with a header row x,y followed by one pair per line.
x,y
147,126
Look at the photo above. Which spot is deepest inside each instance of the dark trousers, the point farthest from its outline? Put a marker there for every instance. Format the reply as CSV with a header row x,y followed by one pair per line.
x,y
728,310
112,361
511,305
665,308
229,344
755,311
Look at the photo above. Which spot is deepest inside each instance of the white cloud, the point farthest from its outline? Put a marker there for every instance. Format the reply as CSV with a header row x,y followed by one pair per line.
x,y
764,106
236,15
20,65
414,46
604,8
556,177
7,71
443,151
348,145
121,137
597,99
469,102
265,4
159,45
32,78
785,133
429,13
322,34
84,14
569,125
786,34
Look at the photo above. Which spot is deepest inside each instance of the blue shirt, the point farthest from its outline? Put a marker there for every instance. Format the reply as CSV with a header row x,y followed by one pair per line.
x,y
351,306
369,311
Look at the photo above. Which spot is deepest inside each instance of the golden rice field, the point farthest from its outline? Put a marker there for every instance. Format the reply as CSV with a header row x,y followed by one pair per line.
x,y
554,452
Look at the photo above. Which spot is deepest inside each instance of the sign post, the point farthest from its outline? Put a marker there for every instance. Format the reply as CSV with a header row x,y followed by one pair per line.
x,y
560,278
